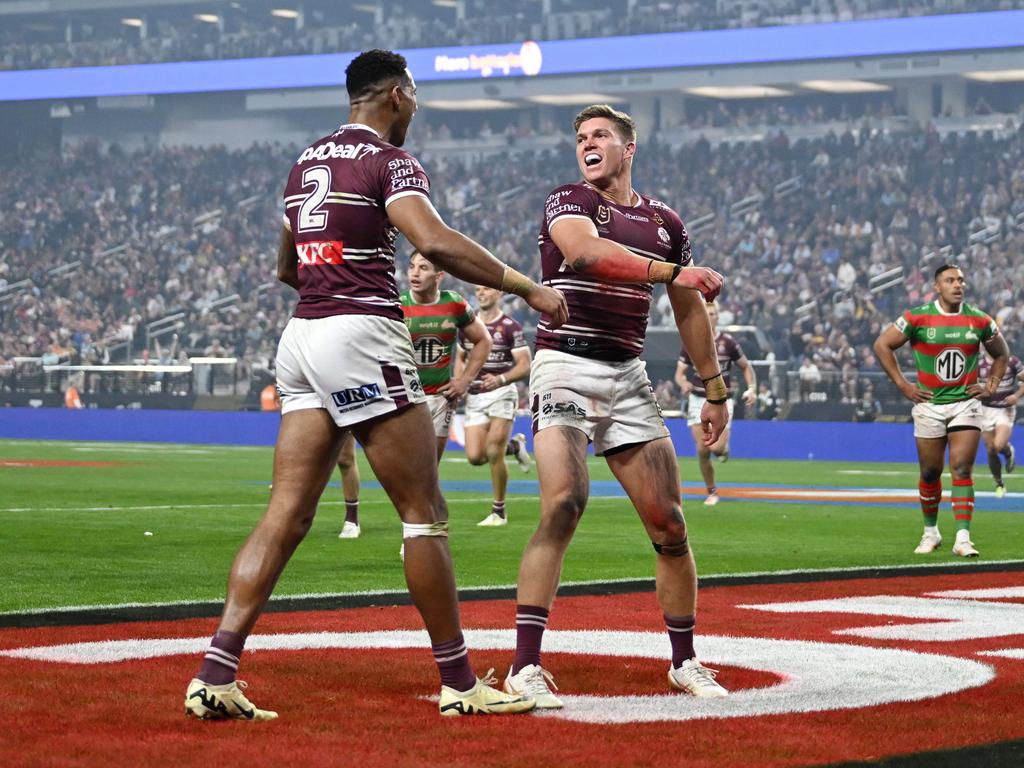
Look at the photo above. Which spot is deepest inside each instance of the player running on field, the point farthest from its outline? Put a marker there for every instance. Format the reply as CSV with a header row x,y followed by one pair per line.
x,y
345,362
349,487
945,336
604,244
729,353
998,413
433,317
493,399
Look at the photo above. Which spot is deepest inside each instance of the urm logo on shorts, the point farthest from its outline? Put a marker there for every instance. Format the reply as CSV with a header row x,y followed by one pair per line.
x,y
355,396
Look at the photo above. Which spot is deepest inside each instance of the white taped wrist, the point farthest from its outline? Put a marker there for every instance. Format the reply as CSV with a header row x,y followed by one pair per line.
x,y
415,530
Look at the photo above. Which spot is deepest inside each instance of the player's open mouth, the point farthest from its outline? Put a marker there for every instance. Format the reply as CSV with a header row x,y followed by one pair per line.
x,y
591,159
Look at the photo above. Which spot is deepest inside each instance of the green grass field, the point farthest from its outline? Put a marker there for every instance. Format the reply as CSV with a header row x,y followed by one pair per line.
x,y
74,535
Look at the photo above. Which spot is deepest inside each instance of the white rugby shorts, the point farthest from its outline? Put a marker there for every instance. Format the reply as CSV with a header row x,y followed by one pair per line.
x,y
355,367
993,417
499,403
695,403
441,413
611,403
932,420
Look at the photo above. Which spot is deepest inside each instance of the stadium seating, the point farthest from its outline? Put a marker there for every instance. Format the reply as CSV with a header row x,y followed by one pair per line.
x,y
106,254
330,27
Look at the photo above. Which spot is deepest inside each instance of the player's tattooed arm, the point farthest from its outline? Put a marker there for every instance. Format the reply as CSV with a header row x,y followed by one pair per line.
x,y
891,339
468,364
288,260
452,251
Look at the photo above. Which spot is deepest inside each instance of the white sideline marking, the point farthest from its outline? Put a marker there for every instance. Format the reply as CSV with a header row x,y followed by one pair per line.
x,y
487,587
815,676
257,504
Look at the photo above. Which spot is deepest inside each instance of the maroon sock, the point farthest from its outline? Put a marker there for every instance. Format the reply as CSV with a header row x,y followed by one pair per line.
x,y
498,508
453,662
680,634
511,448
352,511
221,661
531,621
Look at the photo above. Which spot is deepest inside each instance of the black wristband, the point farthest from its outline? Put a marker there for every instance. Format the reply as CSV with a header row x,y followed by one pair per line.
x,y
709,378
719,402
675,272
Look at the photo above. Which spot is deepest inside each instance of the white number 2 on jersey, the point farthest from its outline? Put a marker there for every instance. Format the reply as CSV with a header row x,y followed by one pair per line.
x,y
311,219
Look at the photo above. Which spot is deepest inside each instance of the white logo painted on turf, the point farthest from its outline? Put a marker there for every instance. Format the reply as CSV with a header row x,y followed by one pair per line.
x,y
952,619
815,676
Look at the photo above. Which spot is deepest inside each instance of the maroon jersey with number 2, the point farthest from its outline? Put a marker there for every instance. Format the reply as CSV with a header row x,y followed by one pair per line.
x,y
336,203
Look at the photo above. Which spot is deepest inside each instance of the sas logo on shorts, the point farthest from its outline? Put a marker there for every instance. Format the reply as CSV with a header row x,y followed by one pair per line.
x,y
566,409
356,397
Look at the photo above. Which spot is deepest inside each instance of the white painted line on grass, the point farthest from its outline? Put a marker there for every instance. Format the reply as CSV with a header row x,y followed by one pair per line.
x,y
490,587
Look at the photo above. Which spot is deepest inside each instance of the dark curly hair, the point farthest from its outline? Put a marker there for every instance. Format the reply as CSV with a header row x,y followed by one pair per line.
x,y
370,69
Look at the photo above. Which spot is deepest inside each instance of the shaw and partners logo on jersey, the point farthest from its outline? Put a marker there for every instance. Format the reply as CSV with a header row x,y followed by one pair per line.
x,y
338,151
356,397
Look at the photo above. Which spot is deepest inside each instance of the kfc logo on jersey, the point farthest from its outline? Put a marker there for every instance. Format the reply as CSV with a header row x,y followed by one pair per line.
x,y
320,252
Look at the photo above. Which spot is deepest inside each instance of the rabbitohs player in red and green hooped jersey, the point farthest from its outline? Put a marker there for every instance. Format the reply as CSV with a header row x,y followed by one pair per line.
x,y
945,336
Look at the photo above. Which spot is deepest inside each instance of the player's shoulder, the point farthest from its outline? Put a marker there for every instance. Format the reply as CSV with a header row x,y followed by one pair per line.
x,y
510,322
920,311
972,311
451,297
661,208
405,299
576,191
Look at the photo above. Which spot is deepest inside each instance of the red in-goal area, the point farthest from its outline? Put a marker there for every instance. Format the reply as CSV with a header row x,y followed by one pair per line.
x,y
371,707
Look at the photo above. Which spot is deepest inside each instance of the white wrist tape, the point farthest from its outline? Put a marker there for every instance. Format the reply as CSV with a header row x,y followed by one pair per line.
x,y
415,530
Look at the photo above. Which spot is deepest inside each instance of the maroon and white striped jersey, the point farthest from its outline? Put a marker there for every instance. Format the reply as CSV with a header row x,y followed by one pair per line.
x,y
506,335
729,351
607,321
336,203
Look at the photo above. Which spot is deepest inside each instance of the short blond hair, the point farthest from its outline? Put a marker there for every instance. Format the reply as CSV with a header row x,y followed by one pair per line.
x,y
623,123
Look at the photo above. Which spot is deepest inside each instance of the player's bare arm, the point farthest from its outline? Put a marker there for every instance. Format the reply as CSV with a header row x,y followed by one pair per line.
x,y
468,365
691,317
885,347
458,255
288,260
749,378
588,253
681,381
996,347
521,369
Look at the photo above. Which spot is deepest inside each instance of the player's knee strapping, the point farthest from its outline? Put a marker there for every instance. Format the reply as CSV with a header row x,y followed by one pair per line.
x,y
415,530
673,549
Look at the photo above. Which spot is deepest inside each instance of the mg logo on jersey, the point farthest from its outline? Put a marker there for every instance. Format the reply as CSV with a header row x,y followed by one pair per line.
x,y
353,397
950,364
320,252
429,350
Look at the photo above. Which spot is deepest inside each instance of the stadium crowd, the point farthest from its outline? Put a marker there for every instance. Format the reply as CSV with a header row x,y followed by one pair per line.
x,y
110,241
238,32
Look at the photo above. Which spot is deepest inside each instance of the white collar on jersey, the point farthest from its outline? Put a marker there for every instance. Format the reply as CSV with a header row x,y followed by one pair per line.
x,y
938,308
359,127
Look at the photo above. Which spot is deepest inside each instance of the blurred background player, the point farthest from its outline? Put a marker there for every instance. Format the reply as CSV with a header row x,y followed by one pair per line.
x,y
998,412
345,362
433,317
689,381
589,384
945,336
493,399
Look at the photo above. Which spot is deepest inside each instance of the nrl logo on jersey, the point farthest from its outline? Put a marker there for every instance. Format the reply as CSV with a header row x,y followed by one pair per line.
x,y
338,151
930,333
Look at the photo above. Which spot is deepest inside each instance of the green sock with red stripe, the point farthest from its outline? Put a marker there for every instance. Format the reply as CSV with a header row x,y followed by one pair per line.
x,y
963,503
930,495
